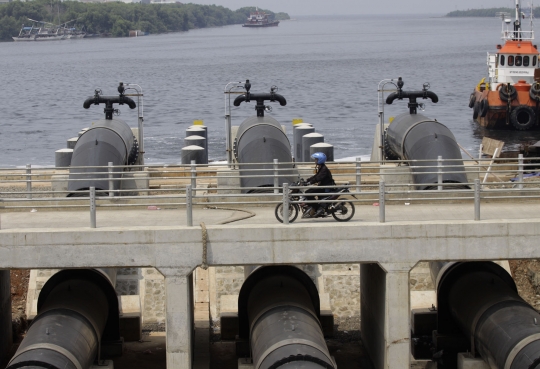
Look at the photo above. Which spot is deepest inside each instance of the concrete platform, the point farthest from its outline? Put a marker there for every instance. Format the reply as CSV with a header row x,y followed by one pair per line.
x,y
386,251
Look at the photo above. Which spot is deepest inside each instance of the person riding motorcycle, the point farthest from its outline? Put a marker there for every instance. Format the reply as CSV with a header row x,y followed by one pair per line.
x,y
322,177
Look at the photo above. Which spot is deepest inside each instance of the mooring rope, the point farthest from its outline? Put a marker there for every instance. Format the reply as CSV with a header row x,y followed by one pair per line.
x,y
204,264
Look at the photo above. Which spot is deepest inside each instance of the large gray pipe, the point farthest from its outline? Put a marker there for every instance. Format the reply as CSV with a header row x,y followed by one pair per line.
x,y
108,140
77,310
416,137
261,140
279,312
480,300
6,337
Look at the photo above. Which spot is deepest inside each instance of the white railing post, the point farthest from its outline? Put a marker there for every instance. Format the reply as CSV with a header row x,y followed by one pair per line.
x,y
28,181
520,174
189,206
92,207
382,195
111,182
477,190
276,174
193,175
358,175
439,173
285,203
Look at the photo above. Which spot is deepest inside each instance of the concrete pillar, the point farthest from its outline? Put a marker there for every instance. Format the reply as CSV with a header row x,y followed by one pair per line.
x,y
307,141
6,338
62,157
72,142
190,153
298,133
197,141
385,311
179,318
325,148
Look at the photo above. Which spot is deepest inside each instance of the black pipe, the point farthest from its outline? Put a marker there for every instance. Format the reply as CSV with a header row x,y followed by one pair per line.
x,y
279,312
418,138
77,310
260,98
480,301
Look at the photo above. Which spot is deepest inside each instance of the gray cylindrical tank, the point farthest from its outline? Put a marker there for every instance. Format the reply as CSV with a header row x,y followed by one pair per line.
x,y
326,148
298,133
6,338
481,300
307,141
106,141
77,309
197,131
62,157
196,153
261,140
279,308
416,137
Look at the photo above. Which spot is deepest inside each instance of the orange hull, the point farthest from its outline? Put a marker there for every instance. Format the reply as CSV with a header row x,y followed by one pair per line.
x,y
498,113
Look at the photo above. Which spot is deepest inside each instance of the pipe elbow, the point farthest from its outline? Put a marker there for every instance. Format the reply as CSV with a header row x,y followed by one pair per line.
x,y
390,99
279,98
88,102
239,99
129,101
433,96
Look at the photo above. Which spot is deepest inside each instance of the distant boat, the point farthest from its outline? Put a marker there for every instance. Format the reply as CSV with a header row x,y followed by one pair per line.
x,y
259,19
43,31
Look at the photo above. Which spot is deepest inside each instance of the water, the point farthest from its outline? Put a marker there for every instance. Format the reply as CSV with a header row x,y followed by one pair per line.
x,y
328,69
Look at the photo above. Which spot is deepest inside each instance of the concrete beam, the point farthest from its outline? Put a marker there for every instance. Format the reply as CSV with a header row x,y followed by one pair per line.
x,y
263,244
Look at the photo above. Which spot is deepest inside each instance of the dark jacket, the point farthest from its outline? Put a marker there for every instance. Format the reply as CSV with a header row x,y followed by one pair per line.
x,y
323,176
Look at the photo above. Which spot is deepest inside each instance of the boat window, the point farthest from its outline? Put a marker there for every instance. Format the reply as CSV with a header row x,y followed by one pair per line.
x,y
534,61
502,59
526,60
519,61
511,60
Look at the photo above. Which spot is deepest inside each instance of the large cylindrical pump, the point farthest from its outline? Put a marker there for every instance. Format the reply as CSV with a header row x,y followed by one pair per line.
x,y
77,310
258,142
417,137
279,311
106,141
480,300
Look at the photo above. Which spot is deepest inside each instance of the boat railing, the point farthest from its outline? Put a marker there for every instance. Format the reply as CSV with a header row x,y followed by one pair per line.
x,y
517,35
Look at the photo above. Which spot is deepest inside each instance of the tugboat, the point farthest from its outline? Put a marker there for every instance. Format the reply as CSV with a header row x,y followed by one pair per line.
x,y
510,98
259,19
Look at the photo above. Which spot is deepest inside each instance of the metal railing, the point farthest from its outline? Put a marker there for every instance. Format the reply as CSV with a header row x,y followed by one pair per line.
x,y
195,185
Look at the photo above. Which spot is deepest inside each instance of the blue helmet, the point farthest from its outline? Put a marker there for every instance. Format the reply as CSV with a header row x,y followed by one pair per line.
x,y
321,158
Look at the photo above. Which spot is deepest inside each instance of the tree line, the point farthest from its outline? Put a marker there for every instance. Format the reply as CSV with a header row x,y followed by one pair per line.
x,y
117,18
489,12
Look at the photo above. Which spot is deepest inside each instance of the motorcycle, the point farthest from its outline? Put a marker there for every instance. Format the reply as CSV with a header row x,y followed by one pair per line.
x,y
340,211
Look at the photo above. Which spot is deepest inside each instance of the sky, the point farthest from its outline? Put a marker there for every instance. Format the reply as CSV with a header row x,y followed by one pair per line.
x,y
338,7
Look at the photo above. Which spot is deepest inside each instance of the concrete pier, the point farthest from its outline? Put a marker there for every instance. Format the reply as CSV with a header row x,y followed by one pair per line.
x,y
386,252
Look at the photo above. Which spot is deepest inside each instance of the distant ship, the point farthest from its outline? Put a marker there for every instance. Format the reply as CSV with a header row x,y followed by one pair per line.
x,y
259,19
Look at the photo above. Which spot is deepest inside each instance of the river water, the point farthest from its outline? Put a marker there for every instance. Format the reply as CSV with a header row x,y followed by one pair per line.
x,y
327,68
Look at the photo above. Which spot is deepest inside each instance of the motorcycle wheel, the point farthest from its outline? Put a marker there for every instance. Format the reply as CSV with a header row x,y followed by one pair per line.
x,y
343,212
293,212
